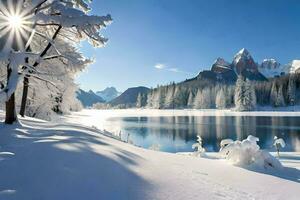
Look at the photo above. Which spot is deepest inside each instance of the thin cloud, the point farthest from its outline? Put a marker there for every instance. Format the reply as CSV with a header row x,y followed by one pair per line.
x,y
174,70
171,69
160,66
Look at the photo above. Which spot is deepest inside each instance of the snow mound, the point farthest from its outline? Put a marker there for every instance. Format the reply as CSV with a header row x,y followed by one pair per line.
x,y
247,153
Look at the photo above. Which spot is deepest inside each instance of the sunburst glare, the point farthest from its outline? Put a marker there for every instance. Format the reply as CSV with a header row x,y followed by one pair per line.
x,y
15,23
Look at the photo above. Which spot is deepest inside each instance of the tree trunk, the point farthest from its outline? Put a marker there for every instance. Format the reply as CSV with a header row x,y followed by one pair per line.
x,y
10,114
10,109
24,95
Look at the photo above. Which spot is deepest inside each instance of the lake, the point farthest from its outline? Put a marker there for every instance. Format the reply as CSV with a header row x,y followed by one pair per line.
x,y
177,133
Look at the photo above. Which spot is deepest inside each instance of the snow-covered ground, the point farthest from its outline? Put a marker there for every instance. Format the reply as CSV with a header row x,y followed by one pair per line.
x,y
71,160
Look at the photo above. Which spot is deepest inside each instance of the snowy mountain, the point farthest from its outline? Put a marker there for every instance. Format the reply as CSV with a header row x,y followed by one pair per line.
x,y
270,68
242,64
220,65
129,96
88,98
243,61
108,93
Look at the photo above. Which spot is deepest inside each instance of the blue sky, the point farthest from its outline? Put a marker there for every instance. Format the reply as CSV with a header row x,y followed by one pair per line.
x,y
158,41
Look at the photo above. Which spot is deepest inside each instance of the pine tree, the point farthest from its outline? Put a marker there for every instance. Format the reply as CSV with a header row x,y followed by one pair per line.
x,y
198,101
280,99
250,96
291,93
190,103
169,99
273,95
221,99
150,99
139,101
207,100
239,94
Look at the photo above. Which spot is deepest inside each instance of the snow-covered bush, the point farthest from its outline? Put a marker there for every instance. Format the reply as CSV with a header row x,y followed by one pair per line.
x,y
248,153
225,142
199,150
278,143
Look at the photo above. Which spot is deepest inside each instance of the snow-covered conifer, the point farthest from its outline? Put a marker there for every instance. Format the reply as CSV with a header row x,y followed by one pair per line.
x,y
273,94
221,99
250,96
139,101
169,99
280,99
190,103
291,93
198,100
239,94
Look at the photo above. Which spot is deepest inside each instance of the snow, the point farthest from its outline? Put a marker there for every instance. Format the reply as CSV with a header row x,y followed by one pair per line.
x,y
279,141
270,68
220,62
71,159
243,54
292,67
247,153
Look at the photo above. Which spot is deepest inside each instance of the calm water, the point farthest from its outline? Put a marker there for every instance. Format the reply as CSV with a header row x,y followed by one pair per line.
x,y
178,133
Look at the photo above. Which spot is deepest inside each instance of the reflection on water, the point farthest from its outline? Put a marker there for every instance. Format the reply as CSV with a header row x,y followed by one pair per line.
x,y
178,133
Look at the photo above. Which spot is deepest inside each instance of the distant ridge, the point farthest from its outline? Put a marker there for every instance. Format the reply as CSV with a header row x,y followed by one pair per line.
x,y
88,98
129,96
108,93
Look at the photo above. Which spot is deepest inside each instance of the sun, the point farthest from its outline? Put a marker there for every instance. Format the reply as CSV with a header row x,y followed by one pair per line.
x,y
15,22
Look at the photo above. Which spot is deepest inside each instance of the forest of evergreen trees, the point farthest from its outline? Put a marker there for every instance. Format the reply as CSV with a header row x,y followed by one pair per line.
x,y
244,95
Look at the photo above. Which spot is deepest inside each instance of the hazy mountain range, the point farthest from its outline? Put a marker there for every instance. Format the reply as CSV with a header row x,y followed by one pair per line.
x,y
111,95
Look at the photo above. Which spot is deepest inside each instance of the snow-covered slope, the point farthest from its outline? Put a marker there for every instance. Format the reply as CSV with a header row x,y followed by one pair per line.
x,y
42,160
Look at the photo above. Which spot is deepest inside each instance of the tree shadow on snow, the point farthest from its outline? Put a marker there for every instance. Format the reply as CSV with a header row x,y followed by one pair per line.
x,y
288,173
64,164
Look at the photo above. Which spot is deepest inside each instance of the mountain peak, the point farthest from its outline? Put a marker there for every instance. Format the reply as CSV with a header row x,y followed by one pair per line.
x,y
221,61
243,53
243,63
108,93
